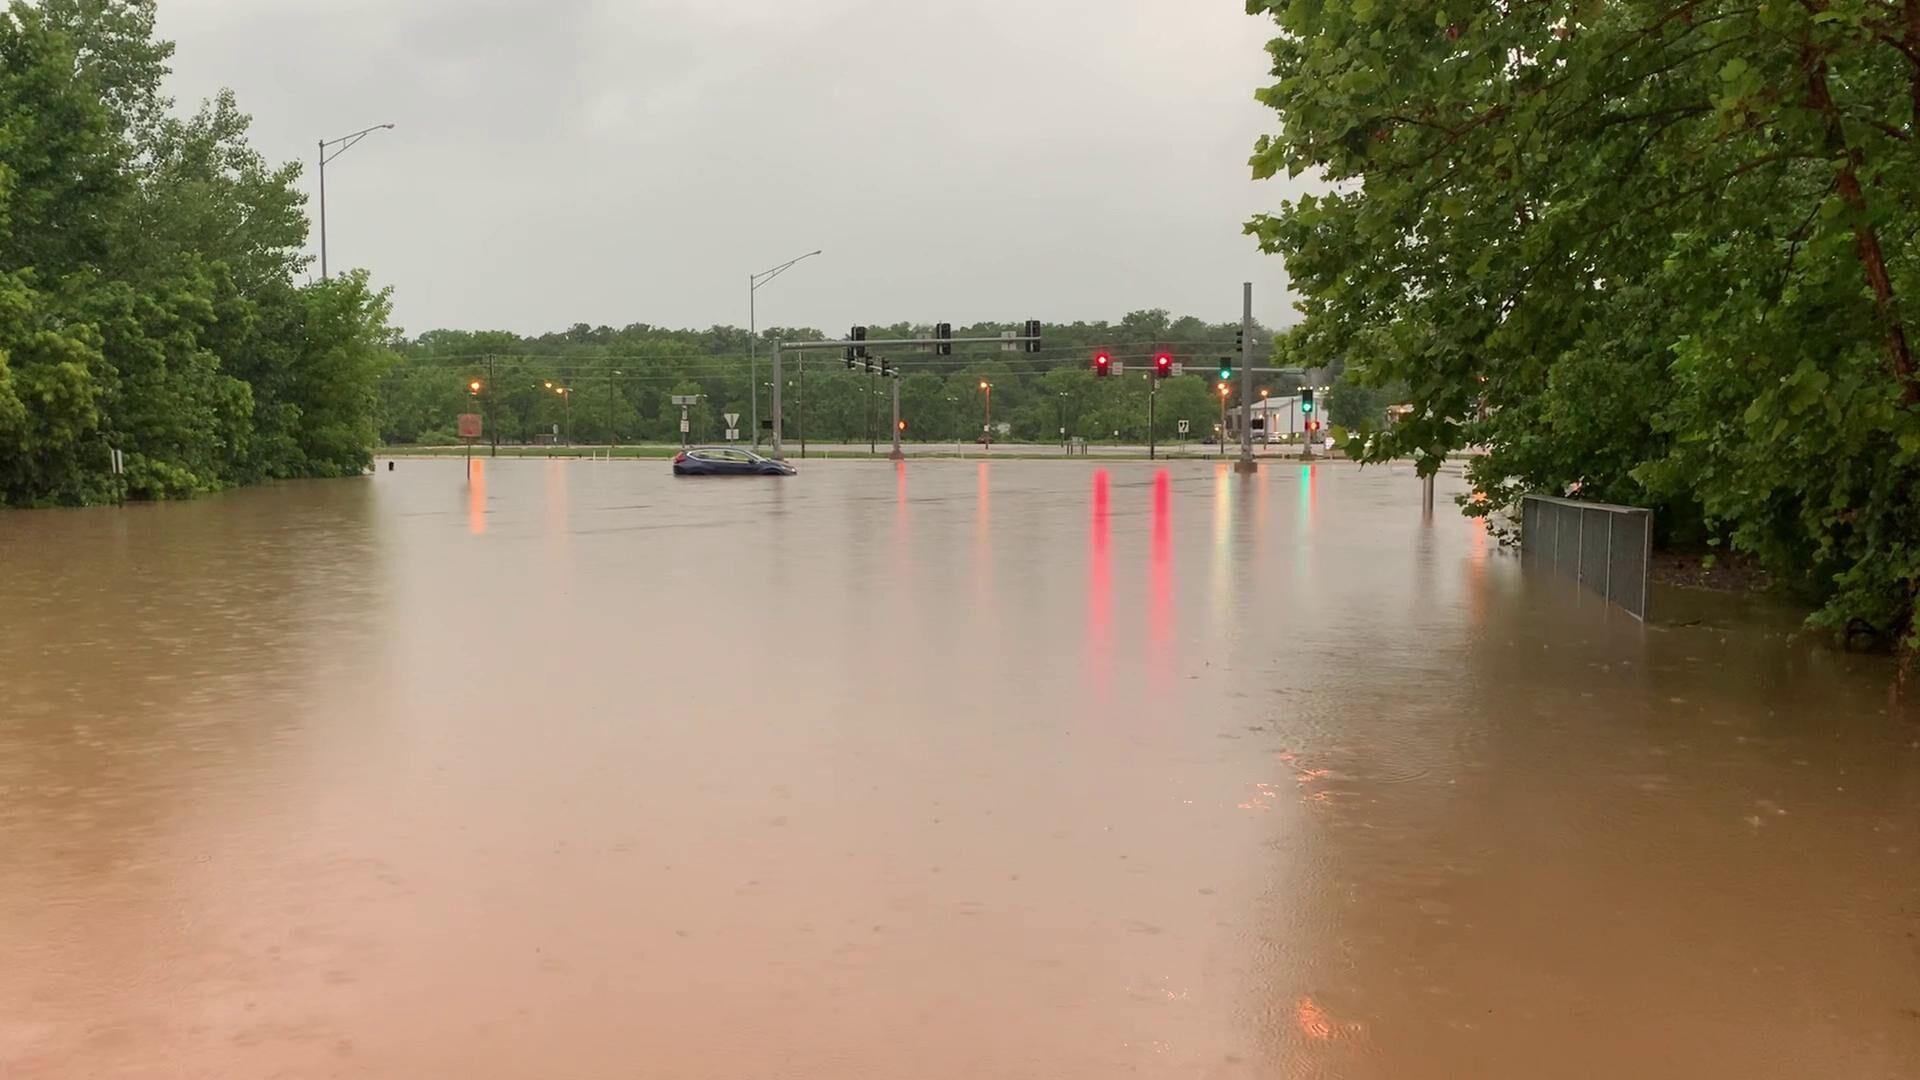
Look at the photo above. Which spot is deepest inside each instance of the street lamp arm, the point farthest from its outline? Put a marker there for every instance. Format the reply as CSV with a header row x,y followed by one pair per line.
x,y
764,276
347,142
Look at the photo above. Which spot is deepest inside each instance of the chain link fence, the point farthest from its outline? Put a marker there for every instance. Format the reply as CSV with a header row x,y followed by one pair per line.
x,y
1607,548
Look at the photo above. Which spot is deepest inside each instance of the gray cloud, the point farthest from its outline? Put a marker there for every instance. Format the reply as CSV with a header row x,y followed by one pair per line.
x,y
562,161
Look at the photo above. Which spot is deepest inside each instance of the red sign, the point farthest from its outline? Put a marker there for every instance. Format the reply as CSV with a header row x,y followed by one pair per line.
x,y
469,425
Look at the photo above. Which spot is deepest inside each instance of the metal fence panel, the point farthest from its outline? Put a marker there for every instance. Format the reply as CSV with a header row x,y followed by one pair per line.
x,y
1607,548
1632,554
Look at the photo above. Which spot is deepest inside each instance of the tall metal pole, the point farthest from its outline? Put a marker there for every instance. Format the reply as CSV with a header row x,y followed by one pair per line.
x,y
610,374
323,209
801,415
345,143
754,281
778,413
493,430
872,445
1246,463
1153,391
753,361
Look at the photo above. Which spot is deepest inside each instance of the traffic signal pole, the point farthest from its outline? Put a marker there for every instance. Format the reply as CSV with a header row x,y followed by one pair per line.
x,y
781,348
1246,464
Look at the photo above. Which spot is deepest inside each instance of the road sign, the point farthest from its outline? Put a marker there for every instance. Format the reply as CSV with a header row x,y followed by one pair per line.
x,y
686,399
1179,369
733,434
733,421
469,425
1119,367
685,427
1185,426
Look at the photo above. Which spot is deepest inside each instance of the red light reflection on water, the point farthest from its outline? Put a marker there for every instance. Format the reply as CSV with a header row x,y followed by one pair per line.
x,y
1099,581
1160,603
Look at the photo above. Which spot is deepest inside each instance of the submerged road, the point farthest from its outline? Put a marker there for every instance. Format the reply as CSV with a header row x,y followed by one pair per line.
x,y
943,770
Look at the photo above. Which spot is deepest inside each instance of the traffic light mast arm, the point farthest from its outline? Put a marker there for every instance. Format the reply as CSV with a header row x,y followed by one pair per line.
x,y
793,346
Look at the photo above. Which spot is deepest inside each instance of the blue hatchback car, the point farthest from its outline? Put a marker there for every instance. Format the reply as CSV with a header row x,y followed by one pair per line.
x,y
727,461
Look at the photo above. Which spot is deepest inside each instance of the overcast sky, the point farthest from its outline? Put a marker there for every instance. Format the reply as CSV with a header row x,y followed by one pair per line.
x,y
620,161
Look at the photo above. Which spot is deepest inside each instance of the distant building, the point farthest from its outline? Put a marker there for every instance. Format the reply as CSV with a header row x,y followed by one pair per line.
x,y
1275,419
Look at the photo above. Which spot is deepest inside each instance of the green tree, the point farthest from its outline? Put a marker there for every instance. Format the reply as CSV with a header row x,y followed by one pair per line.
x,y
1652,251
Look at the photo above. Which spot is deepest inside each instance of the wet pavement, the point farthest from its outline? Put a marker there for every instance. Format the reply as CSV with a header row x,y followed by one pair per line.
x,y
951,769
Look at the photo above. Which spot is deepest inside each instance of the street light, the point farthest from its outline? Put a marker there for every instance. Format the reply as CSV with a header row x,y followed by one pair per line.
x,y
1222,428
754,281
987,429
339,146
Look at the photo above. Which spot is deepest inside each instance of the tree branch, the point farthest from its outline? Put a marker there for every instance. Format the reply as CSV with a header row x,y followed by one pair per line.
x,y
1873,259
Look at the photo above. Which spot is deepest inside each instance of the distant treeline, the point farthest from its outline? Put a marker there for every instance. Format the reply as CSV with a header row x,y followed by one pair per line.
x,y
598,384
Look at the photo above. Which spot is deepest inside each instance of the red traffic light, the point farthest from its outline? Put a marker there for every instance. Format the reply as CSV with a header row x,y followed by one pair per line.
x,y
1103,363
1163,364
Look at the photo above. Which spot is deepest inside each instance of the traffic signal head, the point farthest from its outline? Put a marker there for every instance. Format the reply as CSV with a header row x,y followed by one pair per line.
x,y
473,387
1306,399
1033,335
944,332
1226,368
1162,365
849,356
886,368
859,334
1103,363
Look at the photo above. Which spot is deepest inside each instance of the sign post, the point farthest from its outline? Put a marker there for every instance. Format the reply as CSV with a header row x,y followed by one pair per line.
x,y
686,402
733,426
469,431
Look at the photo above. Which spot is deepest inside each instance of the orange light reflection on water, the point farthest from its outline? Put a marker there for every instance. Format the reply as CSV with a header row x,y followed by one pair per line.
x,y
477,496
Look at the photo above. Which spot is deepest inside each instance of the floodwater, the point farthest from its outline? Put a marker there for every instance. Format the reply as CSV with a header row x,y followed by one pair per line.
x,y
952,769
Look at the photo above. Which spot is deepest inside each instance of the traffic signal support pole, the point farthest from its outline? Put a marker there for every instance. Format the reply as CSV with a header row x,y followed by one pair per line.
x,y
1246,464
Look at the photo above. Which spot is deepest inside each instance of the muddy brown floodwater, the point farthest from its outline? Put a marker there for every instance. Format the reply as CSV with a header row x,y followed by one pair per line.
x,y
1022,769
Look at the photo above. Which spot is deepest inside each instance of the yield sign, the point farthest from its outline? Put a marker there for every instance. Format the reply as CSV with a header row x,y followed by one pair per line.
x,y
733,419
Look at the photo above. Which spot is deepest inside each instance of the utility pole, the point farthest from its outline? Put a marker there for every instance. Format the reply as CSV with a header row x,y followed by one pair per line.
x,y
1153,392
493,430
610,374
1246,464
872,445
